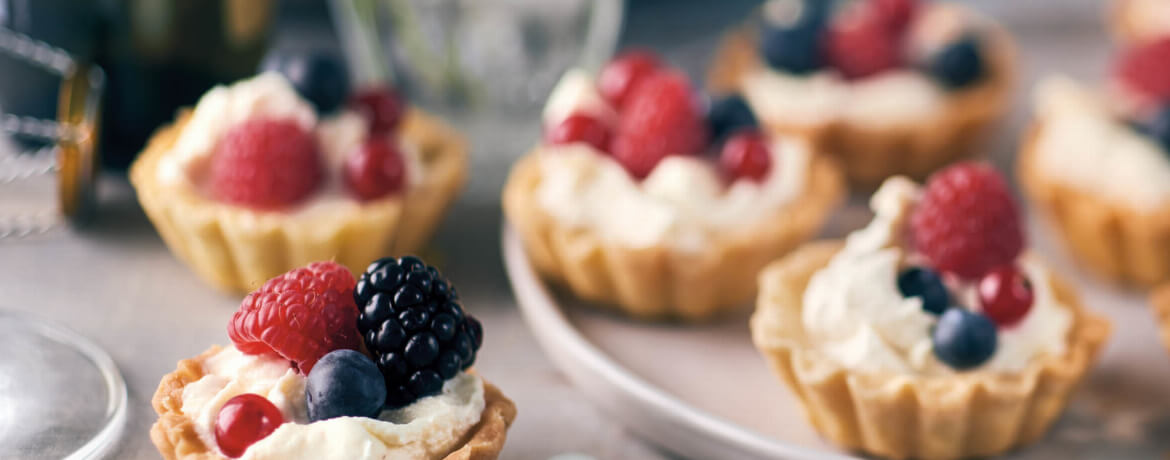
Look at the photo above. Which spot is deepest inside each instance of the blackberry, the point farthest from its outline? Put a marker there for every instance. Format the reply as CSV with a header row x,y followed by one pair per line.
x,y
413,325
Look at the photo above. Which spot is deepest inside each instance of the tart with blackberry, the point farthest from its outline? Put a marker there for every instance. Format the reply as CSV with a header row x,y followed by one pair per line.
x,y
641,198
276,171
321,368
890,86
931,333
1096,162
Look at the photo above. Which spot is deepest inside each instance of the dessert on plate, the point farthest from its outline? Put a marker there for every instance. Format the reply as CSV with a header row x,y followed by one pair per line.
x,y
641,199
931,333
1136,21
1096,162
274,172
890,86
321,367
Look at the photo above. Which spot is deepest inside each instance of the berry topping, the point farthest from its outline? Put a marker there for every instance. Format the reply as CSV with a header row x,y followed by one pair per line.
x,y
927,285
300,316
266,164
580,127
242,421
966,222
897,13
1145,70
414,327
320,78
1158,128
344,383
746,155
860,42
375,169
1005,295
382,107
790,37
729,115
964,339
661,118
958,64
623,74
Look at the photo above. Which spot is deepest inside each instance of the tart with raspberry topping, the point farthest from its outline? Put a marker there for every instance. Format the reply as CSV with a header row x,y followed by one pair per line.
x,y
322,367
890,86
642,197
256,180
1096,162
932,333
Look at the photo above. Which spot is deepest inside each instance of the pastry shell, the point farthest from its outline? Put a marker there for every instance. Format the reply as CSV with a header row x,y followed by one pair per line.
x,y
236,248
870,154
175,437
661,282
975,414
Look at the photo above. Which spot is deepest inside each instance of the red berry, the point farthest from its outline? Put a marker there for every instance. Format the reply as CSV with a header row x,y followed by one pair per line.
x,y
860,42
243,420
375,169
265,164
660,119
1145,70
382,107
300,316
897,13
967,221
580,128
746,155
625,72
1005,295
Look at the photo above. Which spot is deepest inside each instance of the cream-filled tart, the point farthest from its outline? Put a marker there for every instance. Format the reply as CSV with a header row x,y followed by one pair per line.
x,y
931,333
641,199
890,86
322,368
256,180
1096,162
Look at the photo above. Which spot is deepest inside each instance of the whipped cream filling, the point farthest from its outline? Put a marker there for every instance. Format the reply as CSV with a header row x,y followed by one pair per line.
x,y
854,314
1086,146
270,95
430,428
683,203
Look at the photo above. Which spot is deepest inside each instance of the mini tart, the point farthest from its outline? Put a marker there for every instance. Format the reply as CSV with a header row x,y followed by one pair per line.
x,y
869,155
898,416
1115,241
174,433
661,282
1160,300
236,248
1129,22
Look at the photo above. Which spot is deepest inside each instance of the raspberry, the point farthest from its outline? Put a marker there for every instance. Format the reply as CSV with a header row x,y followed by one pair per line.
x,y
620,76
375,169
266,164
300,316
660,119
415,328
1145,70
967,222
897,13
746,155
382,107
861,43
580,127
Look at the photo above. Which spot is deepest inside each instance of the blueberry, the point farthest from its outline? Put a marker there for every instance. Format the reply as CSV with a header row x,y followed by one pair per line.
x,y
319,77
958,64
790,36
964,339
728,115
925,283
344,383
1158,128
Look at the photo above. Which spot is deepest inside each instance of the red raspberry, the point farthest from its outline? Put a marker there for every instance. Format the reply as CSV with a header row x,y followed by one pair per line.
x,y
580,128
1145,70
967,222
382,107
300,316
897,13
1005,295
625,72
375,169
745,155
660,119
861,42
265,164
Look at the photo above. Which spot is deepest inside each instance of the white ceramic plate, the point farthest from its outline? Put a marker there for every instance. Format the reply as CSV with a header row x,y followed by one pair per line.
x,y
704,391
